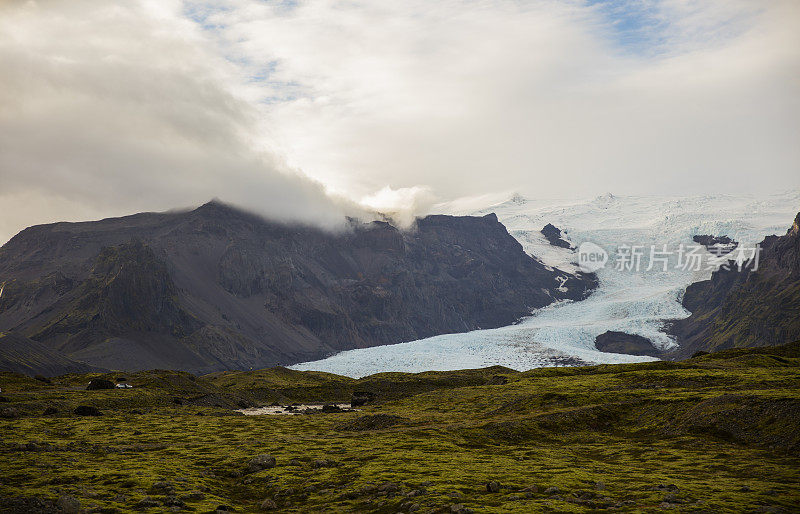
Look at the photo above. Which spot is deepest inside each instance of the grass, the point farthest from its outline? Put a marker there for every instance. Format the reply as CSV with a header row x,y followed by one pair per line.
x,y
712,434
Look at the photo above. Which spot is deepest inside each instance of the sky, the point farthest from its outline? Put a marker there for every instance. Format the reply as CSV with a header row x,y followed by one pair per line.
x,y
307,111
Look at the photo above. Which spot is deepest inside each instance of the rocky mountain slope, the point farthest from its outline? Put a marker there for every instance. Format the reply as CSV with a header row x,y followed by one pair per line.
x,y
217,288
747,308
22,355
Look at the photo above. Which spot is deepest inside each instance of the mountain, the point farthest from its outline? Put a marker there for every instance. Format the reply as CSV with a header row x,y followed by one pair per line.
x,y
19,354
737,309
217,288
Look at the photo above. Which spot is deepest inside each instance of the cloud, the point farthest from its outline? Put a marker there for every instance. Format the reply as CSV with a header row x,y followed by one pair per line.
x,y
113,108
402,204
549,98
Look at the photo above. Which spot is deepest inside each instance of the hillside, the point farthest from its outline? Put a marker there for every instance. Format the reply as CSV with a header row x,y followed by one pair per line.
x,y
736,309
713,434
22,355
217,288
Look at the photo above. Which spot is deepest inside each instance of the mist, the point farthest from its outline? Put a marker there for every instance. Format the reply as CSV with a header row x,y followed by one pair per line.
x,y
311,111
124,108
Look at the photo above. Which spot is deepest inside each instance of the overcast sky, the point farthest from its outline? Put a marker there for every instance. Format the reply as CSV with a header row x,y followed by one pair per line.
x,y
305,110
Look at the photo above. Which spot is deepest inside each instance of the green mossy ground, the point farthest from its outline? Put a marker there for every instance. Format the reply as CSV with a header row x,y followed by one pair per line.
x,y
714,434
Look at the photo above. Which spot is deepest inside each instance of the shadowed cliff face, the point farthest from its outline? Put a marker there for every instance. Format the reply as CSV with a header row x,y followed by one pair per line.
x,y
217,288
749,308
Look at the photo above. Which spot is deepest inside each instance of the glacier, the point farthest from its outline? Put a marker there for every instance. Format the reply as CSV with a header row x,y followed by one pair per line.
x,y
640,303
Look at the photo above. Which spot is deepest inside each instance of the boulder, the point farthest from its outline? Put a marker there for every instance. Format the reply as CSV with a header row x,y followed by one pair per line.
x,y
360,398
9,413
259,462
269,504
621,342
99,383
493,487
323,463
87,410
69,505
553,236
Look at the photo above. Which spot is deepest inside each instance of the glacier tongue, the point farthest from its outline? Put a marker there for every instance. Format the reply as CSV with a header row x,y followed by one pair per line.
x,y
627,301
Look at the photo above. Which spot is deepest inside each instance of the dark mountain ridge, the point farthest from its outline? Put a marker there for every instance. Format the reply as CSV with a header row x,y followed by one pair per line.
x,y
218,288
748,308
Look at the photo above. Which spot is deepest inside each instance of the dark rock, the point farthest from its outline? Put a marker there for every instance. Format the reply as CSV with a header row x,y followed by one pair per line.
x,y
459,508
225,508
493,487
177,401
4,399
323,463
718,245
553,236
87,410
162,487
172,501
122,379
621,342
665,487
259,462
389,487
498,380
147,503
42,378
330,408
552,490
9,413
49,411
69,505
99,383
295,462
269,504
361,398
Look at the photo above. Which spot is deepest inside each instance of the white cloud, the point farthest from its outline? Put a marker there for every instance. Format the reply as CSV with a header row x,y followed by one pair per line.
x,y
114,108
109,108
402,204
469,96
